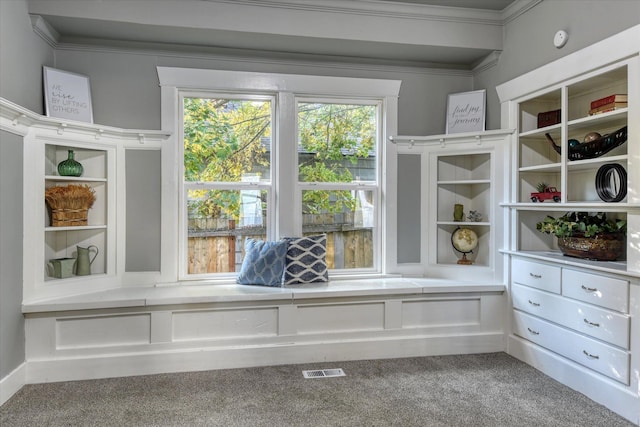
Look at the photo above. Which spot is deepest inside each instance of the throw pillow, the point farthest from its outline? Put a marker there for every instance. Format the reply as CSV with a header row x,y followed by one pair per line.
x,y
306,260
263,263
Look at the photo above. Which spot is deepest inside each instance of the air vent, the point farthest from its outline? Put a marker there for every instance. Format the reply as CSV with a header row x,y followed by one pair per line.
x,y
324,373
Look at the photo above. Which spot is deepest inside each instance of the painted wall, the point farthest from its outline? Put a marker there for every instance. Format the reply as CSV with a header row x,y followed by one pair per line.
x,y
528,39
11,320
22,55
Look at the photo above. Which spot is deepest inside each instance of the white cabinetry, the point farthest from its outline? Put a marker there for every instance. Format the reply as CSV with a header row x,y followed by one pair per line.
x,y
461,169
101,152
576,319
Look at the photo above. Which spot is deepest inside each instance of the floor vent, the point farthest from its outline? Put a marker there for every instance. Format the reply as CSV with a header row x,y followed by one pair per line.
x,y
324,373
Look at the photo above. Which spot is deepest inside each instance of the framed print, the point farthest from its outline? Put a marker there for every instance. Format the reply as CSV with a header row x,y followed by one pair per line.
x,y
67,95
466,111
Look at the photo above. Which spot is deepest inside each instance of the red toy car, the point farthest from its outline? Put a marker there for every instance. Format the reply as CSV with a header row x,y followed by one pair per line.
x,y
549,193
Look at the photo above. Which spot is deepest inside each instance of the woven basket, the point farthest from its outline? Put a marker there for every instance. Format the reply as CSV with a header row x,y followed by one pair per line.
x,y
68,217
595,148
69,205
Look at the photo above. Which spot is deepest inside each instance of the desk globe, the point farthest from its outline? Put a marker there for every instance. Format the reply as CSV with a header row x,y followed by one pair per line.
x,y
464,240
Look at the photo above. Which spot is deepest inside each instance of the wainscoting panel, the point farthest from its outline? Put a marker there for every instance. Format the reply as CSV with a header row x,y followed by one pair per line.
x,y
227,323
328,318
103,331
432,313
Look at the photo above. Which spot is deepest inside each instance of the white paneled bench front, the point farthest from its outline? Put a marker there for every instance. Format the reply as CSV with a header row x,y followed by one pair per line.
x,y
137,331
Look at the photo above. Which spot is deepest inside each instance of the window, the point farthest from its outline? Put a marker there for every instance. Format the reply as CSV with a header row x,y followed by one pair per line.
x,y
338,177
226,178
255,159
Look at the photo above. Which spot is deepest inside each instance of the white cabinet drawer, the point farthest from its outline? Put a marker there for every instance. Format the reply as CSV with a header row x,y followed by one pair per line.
x,y
597,322
541,276
595,355
595,289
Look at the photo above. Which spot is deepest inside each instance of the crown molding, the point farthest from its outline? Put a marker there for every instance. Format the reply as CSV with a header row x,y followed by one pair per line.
x,y
487,62
313,62
42,28
517,9
379,8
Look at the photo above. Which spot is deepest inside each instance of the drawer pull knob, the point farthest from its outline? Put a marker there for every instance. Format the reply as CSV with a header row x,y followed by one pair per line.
x,y
533,332
536,276
597,325
589,355
589,289
535,304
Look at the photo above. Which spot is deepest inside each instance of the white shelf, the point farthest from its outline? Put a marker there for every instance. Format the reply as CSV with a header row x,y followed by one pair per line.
x,y
75,228
59,178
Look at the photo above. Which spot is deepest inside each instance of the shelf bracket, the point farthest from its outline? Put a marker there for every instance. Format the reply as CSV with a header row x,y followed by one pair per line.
x,y
141,138
443,143
16,121
478,140
61,128
99,133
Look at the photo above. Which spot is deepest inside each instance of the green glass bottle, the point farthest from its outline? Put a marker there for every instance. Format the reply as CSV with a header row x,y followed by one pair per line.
x,y
70,167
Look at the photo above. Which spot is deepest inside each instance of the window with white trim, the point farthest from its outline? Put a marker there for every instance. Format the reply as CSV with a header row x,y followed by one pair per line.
x,y
267,163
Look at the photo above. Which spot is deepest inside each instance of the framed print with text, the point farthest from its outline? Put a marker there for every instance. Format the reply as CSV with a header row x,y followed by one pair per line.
x,y
67,95
466,111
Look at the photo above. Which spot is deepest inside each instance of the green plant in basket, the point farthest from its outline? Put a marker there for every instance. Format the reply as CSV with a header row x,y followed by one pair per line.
x,y
582,224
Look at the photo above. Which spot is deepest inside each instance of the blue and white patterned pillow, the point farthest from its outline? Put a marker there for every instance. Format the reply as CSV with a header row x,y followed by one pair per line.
x,y
263,263
306,260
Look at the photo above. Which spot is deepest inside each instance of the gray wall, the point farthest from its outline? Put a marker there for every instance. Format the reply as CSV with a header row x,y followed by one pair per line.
x,y
11,320
528,39
22,55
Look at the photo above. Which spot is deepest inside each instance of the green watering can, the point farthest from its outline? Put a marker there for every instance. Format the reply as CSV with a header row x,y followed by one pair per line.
x,y
84,261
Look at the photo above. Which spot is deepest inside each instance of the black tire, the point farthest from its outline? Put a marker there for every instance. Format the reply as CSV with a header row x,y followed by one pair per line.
x,y
556,199
534,199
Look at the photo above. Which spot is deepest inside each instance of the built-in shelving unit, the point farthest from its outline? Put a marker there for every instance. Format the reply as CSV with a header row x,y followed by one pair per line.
x,y
577,319
461,169
101,151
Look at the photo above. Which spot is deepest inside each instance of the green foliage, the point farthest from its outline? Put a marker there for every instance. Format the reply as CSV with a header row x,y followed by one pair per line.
x,y
336,135
222,143
581,223
541,186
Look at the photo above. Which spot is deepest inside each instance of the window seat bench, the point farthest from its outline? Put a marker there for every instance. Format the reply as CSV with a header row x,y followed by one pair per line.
x,y
201,293
138,331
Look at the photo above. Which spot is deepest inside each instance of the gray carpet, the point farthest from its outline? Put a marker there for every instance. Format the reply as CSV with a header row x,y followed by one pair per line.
x,y
471,390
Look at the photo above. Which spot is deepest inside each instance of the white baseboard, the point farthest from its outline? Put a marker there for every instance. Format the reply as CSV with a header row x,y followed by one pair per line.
x,y
12,383
200,359
596,387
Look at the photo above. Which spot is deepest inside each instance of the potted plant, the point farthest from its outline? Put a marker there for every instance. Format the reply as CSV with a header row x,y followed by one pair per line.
x,y
585,235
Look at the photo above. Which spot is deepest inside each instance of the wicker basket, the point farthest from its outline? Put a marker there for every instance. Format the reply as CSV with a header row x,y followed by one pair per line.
x,y
69,205
595,148
68,217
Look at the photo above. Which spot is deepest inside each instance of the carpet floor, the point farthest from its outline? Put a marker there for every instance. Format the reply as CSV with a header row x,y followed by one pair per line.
x,y
469,390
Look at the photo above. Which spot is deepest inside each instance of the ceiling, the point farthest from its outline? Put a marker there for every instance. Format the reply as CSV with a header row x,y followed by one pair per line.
x,y
108,22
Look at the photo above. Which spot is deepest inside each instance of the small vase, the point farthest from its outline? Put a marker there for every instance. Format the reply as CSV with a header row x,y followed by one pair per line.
x,y
70,167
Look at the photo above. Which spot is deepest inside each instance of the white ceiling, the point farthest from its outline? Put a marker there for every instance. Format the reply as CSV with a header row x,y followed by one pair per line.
x,y
414,33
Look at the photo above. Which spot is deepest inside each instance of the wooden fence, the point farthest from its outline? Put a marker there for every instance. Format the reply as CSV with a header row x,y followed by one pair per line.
x,y
216,246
